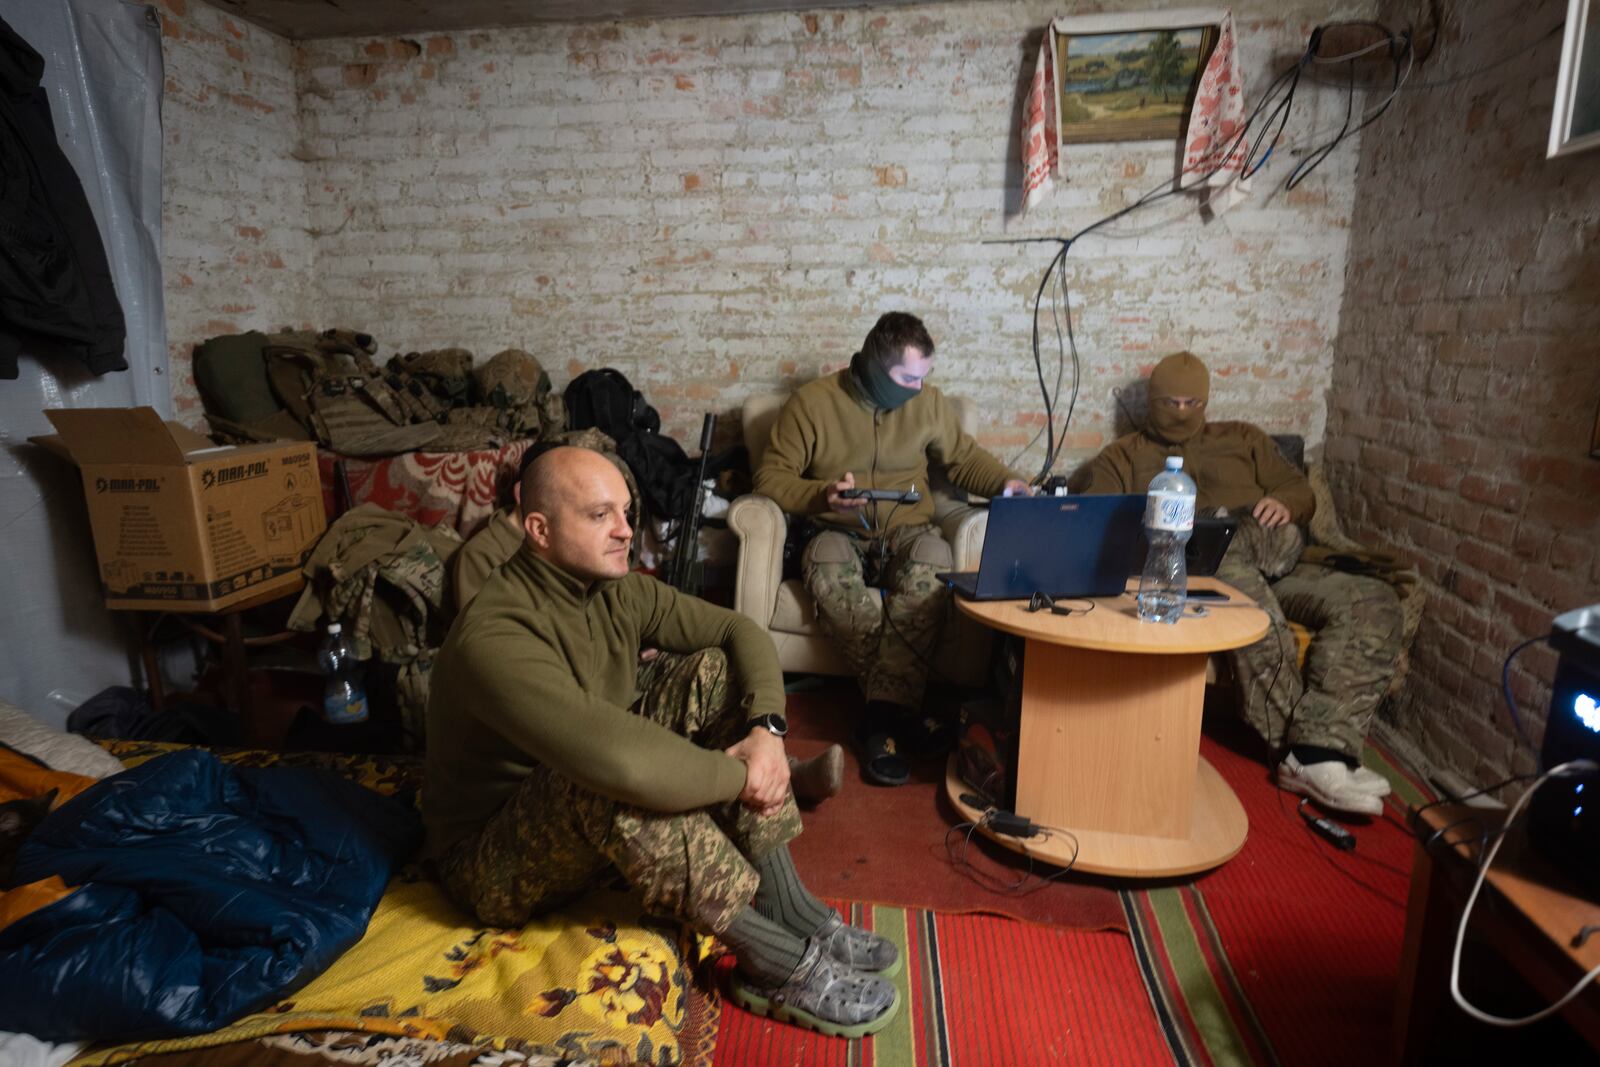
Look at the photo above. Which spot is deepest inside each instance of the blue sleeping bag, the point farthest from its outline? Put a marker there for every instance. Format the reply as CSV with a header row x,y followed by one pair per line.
x,y
207,892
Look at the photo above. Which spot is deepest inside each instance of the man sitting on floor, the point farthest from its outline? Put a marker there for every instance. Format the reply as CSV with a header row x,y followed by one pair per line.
x,y
547,769
871,566
813,780
1320,717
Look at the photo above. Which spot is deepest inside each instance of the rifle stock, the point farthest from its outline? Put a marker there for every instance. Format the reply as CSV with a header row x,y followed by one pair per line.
x,y
684,573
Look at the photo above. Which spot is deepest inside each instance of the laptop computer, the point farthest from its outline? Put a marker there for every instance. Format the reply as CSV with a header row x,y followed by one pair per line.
x,y
1074,546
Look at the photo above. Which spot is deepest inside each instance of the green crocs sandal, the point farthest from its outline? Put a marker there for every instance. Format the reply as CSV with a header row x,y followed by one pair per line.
x,y
860,950
823,995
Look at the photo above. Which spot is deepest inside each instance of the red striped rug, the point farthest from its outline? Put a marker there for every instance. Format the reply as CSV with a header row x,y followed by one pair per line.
x,y
1288,952
1284,955
978,989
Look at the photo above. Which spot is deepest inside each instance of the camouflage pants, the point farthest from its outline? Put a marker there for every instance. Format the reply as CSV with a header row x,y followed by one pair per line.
x,y
553,840
1355,643
887,630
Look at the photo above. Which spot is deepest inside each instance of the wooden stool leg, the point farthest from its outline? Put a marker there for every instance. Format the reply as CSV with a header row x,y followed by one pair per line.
x,y
235,675
1424,961
145,635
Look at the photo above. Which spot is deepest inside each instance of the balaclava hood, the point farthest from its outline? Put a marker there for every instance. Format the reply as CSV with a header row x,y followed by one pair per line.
x,y
1180,374
870,376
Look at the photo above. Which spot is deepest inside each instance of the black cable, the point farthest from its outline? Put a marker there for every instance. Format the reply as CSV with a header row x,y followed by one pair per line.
x,y
1061,359
1275,754
1505,688
962,864
1281,113
1502,61
934,673
1286,82
1038,360
872,478
882,551
1309,164
1058,262
1414,816
1021,886
1077,370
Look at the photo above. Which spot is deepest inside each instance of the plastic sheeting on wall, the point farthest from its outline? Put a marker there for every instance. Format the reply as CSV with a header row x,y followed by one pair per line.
x,y
103,73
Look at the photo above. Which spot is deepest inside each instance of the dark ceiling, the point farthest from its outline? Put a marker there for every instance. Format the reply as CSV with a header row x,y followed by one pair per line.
x,y
302,19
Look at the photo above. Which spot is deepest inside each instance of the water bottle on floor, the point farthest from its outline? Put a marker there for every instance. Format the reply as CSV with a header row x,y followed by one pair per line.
x,y
343,698
1168,522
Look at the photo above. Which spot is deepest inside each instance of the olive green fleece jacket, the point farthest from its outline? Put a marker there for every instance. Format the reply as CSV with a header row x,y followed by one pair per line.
x,y
540,670
477,560
1233,465
828,427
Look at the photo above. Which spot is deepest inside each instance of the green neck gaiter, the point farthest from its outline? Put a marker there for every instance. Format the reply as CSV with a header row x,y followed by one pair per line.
x,y
875,384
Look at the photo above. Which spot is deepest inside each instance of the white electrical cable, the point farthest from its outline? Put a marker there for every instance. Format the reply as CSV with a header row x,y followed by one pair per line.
x,y
1483,871
1387,42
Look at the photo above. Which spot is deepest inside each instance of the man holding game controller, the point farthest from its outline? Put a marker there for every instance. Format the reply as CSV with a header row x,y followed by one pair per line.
x,y
849,455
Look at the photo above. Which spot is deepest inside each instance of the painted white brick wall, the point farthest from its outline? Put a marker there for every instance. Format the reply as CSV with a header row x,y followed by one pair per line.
x,y
722,206
236,252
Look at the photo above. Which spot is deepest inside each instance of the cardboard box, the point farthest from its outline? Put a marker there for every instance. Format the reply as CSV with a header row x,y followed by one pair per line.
x,y
181,524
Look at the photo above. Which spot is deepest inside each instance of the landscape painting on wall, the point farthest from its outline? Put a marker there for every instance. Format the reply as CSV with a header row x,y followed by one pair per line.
x,y
1132,86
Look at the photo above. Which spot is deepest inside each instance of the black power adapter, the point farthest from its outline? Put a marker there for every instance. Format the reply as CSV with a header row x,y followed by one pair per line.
x,y
1012,825
1001,822
1341,838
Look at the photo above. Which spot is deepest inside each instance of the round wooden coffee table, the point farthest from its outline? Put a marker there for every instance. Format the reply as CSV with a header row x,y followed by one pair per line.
x,y
1109,740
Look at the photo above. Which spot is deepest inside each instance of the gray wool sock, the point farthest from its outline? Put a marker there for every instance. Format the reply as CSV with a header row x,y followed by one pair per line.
x,y
768,954
784,899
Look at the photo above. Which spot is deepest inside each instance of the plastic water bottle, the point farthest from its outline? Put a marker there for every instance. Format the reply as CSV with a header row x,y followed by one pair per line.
x,y
1168,522
343,698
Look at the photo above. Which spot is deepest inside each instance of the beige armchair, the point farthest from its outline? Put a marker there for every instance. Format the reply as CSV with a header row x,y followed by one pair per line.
x,y
784,608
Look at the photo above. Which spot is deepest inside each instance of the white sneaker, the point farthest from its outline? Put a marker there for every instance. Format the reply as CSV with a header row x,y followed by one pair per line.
x,y
1369,781
1330,783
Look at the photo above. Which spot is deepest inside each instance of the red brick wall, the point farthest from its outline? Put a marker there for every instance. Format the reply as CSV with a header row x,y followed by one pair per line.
x,y
1467,374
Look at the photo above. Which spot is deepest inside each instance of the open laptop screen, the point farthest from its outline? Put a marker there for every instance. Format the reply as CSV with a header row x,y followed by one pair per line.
x,y
1075,546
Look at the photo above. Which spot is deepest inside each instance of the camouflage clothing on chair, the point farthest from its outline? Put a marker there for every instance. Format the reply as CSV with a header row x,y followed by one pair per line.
x,y
878,425
886,636
1356,622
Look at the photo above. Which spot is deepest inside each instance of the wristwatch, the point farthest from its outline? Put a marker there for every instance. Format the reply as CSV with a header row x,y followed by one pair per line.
x,y
773,722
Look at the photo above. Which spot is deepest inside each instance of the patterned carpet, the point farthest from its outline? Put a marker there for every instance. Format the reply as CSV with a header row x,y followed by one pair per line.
x,y
888,846
1284,955
978,989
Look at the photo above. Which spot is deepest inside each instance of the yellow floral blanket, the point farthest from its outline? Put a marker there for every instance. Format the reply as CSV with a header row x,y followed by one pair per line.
x,y
598,981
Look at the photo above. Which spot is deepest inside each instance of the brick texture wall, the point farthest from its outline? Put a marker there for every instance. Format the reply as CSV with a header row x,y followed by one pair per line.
x,y
1467,374
721,206
237,252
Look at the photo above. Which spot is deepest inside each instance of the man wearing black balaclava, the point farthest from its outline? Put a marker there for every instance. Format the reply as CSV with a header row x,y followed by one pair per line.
x,y
870,565
1315,717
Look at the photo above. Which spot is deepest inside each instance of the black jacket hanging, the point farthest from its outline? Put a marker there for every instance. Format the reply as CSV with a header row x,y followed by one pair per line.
x,y
55,283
